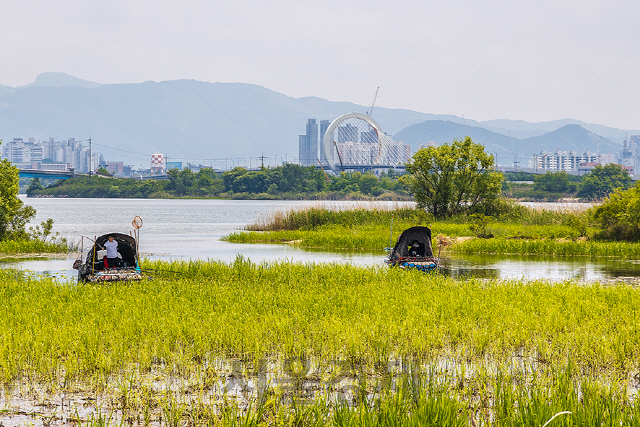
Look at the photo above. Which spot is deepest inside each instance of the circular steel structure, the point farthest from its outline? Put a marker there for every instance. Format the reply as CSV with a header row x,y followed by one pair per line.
x,y
353,139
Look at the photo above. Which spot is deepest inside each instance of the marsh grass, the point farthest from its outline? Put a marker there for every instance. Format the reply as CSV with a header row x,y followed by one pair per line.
x,y
13,247
518,230
283,343
331,312
623,250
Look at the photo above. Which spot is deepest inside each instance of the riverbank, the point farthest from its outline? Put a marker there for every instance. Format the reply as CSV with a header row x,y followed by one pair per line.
x,y
11,248
207,342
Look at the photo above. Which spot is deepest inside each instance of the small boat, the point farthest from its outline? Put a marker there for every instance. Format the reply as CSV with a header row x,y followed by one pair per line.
x,y
413,250
93,268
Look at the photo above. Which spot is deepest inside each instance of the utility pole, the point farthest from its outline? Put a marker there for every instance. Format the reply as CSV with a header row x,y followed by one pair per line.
x,y
262,159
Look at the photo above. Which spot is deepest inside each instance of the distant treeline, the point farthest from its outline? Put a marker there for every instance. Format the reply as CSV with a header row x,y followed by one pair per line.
x,y
287,181
552,186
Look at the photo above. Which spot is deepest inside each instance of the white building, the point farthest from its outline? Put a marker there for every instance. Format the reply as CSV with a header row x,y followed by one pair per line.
x,y
568,161
32,154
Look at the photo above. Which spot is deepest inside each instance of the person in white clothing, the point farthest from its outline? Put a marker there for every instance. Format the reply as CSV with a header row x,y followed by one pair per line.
x,y
111,260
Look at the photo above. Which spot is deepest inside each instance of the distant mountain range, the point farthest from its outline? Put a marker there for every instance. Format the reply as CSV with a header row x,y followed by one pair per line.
x,y
568,137
193,120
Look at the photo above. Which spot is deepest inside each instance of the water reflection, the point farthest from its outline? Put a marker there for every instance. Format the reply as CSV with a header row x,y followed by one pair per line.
x,y
540,267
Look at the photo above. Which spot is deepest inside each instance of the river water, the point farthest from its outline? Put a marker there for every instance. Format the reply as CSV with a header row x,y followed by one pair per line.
x,y
191,229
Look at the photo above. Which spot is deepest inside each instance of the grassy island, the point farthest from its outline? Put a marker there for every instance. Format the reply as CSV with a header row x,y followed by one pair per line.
x,y
519,230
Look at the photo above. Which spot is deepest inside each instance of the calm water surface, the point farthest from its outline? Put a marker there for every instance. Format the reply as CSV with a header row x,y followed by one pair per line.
x,y
191,229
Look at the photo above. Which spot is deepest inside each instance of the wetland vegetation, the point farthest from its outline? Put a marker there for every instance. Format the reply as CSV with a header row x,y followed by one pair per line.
x,y
209,343
515,229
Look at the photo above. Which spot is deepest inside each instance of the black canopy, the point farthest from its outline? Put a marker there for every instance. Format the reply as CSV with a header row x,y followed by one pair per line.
x,y
420,234
126,247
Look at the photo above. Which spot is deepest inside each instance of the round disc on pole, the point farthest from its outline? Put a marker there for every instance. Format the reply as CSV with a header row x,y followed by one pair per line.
x,y
137,222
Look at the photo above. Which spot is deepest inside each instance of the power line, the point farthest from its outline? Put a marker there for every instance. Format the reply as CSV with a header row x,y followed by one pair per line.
x,y
124,151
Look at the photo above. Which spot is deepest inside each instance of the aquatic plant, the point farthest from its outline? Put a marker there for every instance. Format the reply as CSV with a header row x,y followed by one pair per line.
x,y
347,332
14,247
623,250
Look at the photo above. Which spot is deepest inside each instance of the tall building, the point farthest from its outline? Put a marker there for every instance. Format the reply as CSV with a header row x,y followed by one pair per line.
x,y
324,125
157,163
308,144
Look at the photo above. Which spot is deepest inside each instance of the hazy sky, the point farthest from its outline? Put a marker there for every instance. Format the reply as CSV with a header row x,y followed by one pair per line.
x,y
529,60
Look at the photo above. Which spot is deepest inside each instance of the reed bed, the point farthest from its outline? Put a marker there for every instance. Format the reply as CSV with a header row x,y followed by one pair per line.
x,y
411,400
624,250
367,236
343,214
331,343
213,310
14,247
520,230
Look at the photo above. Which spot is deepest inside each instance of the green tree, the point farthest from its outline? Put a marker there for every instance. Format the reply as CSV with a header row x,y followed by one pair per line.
x,y
102,171
229,177
603,180
14,215
34,186
619,214
553,182
114,192
453,178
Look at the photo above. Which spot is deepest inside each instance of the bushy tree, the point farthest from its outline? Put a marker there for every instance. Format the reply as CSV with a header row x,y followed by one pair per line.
x,y
14,215
553,182
619,214
603,180
453,178
34,186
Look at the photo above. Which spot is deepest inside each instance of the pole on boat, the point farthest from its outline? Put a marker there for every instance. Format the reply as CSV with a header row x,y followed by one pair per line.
x,y
137,224
93,263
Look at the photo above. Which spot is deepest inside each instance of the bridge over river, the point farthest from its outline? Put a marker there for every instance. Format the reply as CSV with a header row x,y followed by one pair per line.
x,y
37,173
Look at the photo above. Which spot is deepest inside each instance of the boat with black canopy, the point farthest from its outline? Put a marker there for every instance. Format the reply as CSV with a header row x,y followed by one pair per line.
x,y
413,250
96,267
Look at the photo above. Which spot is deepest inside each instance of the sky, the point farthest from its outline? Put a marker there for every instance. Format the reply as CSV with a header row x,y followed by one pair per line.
x,y
521,60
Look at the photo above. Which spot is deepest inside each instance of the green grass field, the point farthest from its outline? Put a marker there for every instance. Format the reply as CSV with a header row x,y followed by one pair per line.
x,y
337,344
16,247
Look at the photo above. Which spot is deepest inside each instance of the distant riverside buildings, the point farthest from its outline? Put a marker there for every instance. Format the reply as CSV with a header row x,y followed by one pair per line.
x,y
115,168
568,161
571,161
356,147
157,163
630,156
51,155
308,144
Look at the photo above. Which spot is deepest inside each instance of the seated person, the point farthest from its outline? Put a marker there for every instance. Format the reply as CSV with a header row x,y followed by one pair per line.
x,y
416,249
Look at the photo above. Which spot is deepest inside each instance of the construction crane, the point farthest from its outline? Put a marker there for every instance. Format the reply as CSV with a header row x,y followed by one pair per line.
x,y
339,156
370,110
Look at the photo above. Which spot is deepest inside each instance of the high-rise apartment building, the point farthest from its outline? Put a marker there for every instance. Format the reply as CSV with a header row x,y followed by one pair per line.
x,y
324,125
308,144
32,154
